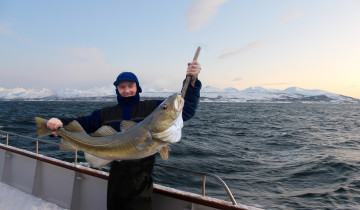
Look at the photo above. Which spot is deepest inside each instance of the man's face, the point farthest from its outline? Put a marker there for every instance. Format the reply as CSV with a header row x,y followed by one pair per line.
x,y
127,88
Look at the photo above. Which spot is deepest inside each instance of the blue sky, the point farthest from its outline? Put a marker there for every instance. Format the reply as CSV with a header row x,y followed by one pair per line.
x,y
312,44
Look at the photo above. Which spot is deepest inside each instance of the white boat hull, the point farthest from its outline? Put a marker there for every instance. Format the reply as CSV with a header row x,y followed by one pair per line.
x,y
76,187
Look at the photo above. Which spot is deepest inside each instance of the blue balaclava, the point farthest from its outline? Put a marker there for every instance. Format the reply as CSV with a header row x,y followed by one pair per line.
x,y
127,101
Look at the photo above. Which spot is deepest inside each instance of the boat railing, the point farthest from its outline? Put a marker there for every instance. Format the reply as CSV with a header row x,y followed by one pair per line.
x,y
204,175
36,140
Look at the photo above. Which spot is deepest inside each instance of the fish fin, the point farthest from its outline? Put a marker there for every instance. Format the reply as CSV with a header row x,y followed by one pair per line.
x,y
42,129
164,152
74,126
126,125
65,145
142,145
95,161
104,131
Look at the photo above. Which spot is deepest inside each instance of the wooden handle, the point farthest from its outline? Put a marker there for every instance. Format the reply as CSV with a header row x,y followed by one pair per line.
x,y
188,78
197,54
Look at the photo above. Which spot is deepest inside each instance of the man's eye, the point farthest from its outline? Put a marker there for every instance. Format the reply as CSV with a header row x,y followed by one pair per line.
x,y
163,107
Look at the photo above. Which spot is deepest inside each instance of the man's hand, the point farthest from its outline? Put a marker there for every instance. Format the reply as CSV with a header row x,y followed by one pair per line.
x,y
53,124
193,70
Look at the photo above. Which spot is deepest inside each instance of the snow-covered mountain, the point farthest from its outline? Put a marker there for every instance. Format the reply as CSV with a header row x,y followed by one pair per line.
x,y
263,95
211,89
21,93
208,94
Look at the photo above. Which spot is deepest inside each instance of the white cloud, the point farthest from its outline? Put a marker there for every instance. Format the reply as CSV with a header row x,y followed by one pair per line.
x,y
233,52
272,84
237,79
201,12
290,16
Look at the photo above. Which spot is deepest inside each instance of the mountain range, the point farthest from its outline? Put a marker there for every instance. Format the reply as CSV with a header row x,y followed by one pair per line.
x,y
208,94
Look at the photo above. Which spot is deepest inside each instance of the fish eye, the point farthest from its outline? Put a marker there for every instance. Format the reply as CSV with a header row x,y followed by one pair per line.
x,y
163,107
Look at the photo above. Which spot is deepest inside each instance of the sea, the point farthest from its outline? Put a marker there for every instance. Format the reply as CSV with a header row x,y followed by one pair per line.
x,y
270,155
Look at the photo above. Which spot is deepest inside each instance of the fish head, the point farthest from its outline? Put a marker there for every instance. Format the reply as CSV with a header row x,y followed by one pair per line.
x,y
167,120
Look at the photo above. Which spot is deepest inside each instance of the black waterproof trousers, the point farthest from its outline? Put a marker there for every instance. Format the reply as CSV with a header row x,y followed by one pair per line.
x,y
130,184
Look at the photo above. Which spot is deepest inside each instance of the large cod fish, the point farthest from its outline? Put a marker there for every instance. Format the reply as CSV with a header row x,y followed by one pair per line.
x,y
136,141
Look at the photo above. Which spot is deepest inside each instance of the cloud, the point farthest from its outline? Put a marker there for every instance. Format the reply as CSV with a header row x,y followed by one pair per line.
x,y
237,79
87,55
287,17
201,12
7,31
233,52
271,84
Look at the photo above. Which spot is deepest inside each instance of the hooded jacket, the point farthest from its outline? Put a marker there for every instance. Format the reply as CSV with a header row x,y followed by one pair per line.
x,y
131,108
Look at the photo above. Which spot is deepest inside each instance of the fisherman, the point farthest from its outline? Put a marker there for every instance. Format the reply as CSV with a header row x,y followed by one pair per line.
x,y
130,183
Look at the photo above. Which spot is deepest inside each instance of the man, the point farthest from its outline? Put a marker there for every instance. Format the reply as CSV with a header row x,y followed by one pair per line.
x,y
130,183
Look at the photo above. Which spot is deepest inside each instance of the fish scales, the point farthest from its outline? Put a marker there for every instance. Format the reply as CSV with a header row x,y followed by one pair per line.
x,y
161,127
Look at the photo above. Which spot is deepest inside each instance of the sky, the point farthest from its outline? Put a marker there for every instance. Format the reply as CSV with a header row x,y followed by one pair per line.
x,y
275,44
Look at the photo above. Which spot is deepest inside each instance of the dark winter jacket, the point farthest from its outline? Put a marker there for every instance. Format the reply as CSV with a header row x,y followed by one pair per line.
x,y
138,111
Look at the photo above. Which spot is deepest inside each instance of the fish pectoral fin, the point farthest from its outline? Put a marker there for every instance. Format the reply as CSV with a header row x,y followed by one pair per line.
x,y
126,125
104,131
65,145
143,145
74,126
95,161
164,152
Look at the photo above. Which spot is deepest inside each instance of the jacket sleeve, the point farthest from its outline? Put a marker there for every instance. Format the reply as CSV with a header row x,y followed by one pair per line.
x,y
191,100
90,123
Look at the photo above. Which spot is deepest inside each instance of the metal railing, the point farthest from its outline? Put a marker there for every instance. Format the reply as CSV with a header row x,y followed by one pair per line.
x,y
217,178
36,140
204,175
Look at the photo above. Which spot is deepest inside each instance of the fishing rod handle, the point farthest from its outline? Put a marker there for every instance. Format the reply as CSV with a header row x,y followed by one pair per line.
x,y
188,78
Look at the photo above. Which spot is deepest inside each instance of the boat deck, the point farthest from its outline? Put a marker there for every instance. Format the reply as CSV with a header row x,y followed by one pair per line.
x,y
12,198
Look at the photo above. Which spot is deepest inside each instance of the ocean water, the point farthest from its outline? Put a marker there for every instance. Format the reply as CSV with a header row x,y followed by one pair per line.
x,y
272,156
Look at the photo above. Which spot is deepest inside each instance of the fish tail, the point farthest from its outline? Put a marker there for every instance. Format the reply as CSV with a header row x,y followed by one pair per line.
x,y
42,129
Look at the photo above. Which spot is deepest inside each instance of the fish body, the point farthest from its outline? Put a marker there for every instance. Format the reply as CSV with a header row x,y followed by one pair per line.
x,y
161,127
